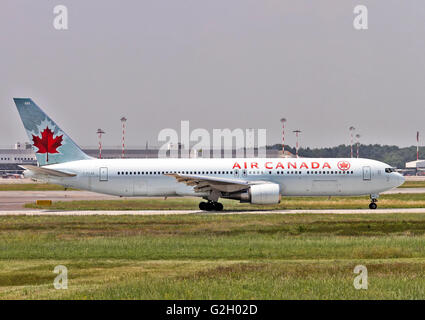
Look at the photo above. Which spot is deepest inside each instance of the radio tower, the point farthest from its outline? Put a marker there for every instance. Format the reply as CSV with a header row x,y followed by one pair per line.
x,y
100,132
283,120
123,120
351,139
358,144
297,132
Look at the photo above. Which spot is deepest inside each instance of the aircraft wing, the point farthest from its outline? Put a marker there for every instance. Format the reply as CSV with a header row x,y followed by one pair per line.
x,y
206,184
47,172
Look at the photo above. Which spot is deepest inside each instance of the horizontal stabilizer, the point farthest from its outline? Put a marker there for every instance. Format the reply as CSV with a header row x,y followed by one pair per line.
x,y
47,172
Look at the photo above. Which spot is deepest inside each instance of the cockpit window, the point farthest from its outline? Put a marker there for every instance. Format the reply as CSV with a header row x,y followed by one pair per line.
x,y
389,170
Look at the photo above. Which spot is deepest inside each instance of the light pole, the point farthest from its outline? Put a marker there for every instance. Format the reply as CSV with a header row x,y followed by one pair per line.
x,y
100,132
297,132
351,139
358,144
283,120
123,120
417,145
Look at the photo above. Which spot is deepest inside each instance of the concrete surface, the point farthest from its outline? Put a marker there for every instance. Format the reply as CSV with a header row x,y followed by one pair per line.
x,y
182,212
15,200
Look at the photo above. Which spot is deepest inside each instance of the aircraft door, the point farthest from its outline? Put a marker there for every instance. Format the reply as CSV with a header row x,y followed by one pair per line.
x,y
367,174
103,174
236,173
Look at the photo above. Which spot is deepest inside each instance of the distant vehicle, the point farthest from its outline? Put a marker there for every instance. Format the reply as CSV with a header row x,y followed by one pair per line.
x,y
12,176
252,180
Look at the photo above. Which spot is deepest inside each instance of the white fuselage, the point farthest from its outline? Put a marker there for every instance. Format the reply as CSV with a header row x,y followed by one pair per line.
x,y
296,177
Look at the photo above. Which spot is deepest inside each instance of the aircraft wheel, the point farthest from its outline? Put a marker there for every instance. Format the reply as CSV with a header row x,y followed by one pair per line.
x,y
209,206
218,206
373,205
203,206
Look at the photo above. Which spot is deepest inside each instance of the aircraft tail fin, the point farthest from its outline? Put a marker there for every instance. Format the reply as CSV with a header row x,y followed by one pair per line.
x,y
50,144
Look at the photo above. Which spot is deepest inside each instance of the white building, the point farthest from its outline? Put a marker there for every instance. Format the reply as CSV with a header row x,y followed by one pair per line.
x,y
417,164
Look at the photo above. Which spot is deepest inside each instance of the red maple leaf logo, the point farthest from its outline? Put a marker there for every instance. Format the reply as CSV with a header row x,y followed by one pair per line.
x,y
344,165
47,144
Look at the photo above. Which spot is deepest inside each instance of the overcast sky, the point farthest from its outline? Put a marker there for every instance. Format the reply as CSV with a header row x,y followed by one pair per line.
x,y
218,64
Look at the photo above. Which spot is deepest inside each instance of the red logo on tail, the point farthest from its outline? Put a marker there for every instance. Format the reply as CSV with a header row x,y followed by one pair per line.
x,y
47,144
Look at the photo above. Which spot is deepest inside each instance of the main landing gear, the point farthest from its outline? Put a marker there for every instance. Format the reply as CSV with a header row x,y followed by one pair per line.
x,y
374,199
210,206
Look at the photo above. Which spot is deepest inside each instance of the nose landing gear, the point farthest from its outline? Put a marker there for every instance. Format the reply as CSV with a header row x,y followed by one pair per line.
x,y
374,199
210,206
373,205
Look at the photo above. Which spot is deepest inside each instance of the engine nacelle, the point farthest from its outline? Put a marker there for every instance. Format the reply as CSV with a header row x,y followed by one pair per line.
x,y
266,193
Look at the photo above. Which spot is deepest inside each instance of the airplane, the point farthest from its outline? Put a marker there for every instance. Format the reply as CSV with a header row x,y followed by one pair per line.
x,y
252,180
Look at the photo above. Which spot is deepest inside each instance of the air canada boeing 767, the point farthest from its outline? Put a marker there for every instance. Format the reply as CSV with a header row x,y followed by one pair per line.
x,y
252,180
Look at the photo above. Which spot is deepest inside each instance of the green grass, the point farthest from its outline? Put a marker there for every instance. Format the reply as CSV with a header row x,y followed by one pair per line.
x,y
385,201
207,256
413,184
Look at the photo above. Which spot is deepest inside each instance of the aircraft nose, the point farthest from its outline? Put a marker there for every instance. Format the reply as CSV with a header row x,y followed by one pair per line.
x,y
402,179
398,179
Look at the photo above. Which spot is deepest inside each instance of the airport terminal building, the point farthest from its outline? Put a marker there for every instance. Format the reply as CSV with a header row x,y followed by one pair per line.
x,y
22,153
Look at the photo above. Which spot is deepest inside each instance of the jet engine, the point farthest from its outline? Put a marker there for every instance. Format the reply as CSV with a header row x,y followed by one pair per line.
x,y
266,193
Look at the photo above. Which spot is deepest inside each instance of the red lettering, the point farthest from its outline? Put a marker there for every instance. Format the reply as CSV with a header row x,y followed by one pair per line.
x,y
236,165
254,165
244,164
303,165
267,165
315,165
326,165
279,165
293,165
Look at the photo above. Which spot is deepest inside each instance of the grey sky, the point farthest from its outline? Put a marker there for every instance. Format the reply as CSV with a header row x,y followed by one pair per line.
x,y
218,64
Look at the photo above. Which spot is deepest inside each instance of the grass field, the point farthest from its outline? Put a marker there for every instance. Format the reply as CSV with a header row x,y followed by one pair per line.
x,y
385,201
203,256
413,184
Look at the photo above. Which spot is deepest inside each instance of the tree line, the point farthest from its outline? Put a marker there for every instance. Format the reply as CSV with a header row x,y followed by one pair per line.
x,y
393,155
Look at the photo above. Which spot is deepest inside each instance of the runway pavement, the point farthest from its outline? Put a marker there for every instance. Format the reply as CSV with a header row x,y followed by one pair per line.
x,y
405,190
15,200
185,212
